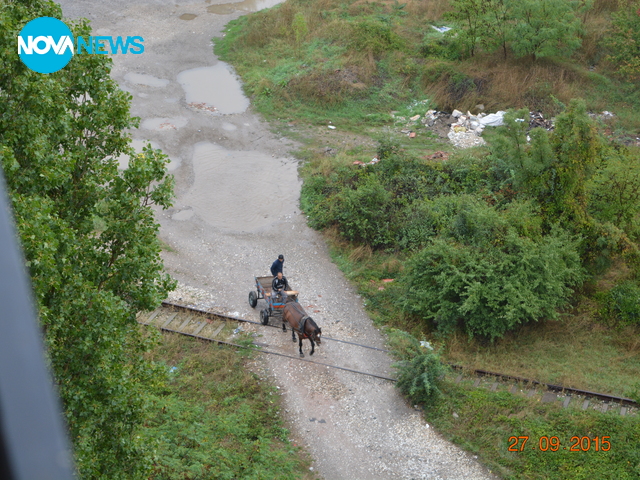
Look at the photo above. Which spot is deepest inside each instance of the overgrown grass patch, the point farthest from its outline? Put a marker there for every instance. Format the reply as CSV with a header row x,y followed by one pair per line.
x,y
482,422
215,419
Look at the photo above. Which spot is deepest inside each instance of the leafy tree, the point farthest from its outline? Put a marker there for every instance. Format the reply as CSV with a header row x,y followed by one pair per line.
x,y
470,16
89,237
623,40
614,192
554,168
545,27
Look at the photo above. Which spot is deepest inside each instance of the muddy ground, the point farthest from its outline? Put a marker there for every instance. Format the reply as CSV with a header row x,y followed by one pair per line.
x,y
236,209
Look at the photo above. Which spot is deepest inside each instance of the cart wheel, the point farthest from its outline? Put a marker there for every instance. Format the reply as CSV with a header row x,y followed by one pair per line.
x,y
264,317
253,299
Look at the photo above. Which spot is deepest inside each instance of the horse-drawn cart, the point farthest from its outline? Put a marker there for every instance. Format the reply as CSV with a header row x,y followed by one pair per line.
x,y
275,303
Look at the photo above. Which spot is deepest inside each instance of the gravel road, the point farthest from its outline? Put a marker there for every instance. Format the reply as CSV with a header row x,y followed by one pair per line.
x,y
236,209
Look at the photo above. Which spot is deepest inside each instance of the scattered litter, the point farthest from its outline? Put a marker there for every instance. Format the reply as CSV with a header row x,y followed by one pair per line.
x,y
238,330
493,119
412,134
203,106
426,344
380,288
173,369
437,155
331,127
387,280
441,29
456,113
414,118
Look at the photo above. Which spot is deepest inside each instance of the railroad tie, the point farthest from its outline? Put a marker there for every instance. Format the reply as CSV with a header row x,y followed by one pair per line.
x,y
202,325
169,320
623,411
549,397
458,378
184,324
477,382
218,330
605,407
565,404
154,314
585,404
494,386
531,393
514,389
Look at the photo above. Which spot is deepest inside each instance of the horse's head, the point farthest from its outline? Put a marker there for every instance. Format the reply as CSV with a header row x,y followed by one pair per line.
x,y
317,332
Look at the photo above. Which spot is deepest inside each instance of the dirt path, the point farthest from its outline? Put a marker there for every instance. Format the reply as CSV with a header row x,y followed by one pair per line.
x,y
236,209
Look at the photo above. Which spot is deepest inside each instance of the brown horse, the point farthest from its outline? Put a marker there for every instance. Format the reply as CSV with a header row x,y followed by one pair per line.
x,y
302,324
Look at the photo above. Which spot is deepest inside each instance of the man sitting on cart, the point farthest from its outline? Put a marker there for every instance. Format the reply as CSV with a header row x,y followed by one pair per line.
x,y
279,285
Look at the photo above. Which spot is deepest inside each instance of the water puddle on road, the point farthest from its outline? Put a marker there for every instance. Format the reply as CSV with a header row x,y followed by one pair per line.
x,y
138,146
188,16
164,123
244,6
213,89
241,190
144,79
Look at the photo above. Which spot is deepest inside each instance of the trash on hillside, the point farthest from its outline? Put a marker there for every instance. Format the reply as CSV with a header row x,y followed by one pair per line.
x,y
412,134
493,119
331,127
426,345
441,29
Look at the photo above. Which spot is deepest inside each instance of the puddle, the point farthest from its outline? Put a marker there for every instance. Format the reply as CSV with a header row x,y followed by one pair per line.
x,y
241,190
144,79
164,123
244,6
213,89
138,145
188,16
182,215
229,127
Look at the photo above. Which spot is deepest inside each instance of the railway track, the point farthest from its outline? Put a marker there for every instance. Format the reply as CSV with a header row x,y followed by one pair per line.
x,y
216,327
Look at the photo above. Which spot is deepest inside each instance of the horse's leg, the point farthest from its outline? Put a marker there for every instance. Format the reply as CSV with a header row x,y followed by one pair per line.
x,y
300,345
284,327
293,335
313,346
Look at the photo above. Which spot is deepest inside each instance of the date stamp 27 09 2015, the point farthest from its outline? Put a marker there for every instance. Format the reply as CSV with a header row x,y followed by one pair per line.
x,y
553,444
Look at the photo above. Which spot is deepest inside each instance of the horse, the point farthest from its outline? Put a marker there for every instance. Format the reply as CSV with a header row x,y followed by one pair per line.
x,y
301,323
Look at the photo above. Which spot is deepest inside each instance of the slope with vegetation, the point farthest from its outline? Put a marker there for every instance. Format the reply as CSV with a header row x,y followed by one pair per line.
x,y
521,256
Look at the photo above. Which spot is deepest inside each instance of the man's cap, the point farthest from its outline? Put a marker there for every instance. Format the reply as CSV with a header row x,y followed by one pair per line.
x,y
280,257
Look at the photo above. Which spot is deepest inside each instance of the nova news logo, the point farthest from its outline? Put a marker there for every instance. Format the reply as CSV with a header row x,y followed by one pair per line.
x,y
46,45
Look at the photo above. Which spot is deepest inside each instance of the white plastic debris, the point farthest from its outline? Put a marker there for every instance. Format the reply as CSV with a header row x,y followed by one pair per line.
x,y
493,119
331,127
426,345
441,29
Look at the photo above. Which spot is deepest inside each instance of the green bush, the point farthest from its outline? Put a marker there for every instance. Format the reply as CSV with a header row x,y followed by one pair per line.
x,y
365,214
492,288
622,303
420,370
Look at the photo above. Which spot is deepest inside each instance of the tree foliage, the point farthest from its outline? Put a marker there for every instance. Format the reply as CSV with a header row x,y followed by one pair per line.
x,y
89,237
623,40
490,290
538,28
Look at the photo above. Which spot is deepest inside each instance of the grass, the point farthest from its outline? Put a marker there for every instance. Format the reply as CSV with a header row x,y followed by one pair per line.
x,y
356,61
483,423
214,418
579,351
